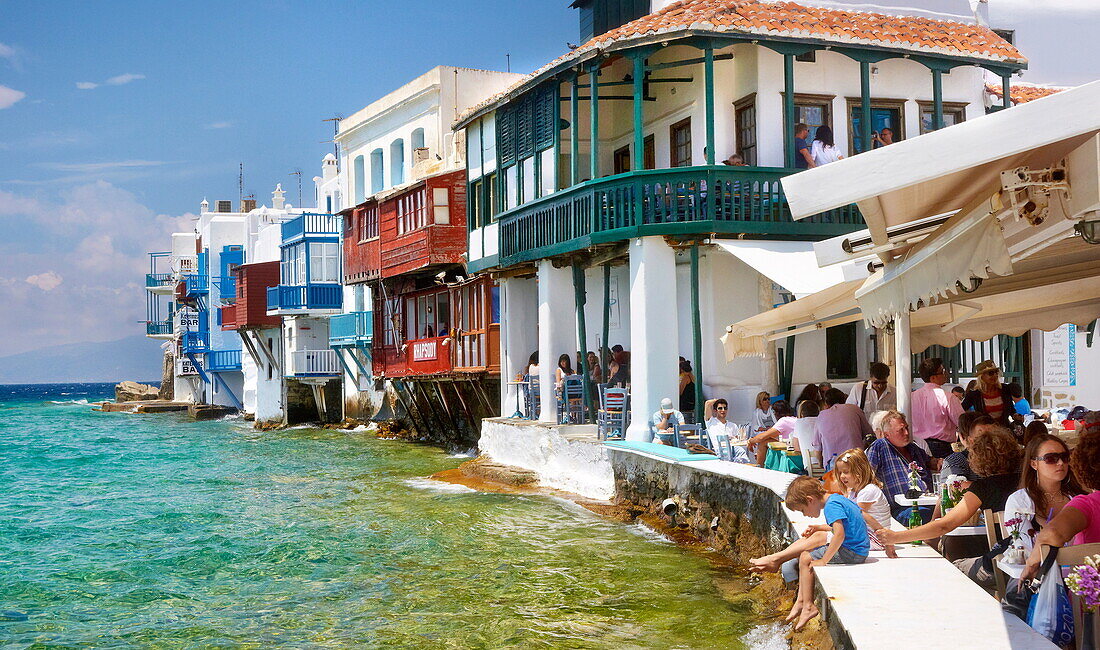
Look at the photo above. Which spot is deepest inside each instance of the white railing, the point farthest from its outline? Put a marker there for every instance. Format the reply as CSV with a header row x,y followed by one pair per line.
x,y
185,264
314,362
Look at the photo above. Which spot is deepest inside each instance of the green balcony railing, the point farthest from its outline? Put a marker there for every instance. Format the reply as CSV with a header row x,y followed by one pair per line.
x,y
681,201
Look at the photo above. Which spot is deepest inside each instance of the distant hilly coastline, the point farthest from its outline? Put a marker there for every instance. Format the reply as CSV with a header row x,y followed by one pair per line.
x,y
135,357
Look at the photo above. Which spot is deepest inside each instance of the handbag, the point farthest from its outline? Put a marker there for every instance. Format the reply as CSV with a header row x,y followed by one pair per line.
x,y
1050,612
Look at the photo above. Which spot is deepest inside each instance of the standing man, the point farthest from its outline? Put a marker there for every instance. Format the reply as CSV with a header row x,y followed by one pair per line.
x,y
802,157
886,137
874,394
838,428
890,456
935,413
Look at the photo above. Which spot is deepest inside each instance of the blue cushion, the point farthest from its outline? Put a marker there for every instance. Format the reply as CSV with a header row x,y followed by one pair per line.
x,y
664,451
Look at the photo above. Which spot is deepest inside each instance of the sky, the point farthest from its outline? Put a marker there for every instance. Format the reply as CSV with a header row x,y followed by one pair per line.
x,y
118,118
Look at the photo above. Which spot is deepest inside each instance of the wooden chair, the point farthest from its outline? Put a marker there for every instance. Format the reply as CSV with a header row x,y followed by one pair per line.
x,y
571,400
1069,557
683,434
995,532
613,417
533,401
803,435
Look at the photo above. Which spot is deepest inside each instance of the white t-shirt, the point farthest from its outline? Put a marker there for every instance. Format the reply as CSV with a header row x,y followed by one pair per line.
x,y
761,421
823,154
733,432
1019,502
880,507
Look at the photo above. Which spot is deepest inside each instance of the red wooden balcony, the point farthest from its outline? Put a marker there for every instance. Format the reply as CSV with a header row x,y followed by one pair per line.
x,y
250,310
424,226
362,247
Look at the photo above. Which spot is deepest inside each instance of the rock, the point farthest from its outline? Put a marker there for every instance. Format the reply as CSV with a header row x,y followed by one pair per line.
x,y
131,391
210,411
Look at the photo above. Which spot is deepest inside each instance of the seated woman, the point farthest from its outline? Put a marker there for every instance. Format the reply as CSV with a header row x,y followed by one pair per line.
x,y
1079,519
783,427
763,417
810,393
995,458
1046,486
958,463
687,389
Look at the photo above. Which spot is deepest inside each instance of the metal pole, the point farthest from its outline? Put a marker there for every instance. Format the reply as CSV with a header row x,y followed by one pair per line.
x,y
788,110
582,333
639,132
594,110
708,85
865,104
937,100
696,333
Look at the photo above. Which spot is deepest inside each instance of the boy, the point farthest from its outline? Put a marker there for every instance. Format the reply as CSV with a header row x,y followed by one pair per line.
x,y
848,542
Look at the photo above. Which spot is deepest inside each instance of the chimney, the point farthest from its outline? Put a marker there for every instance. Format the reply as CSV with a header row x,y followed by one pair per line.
x,y
223,206
204,206
278,197
248,205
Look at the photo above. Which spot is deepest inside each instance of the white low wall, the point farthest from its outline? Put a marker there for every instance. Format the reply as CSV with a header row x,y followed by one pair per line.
x,y
578,466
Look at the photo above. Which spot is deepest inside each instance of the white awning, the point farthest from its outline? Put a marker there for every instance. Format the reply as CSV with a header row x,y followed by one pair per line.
x,y
790,264
949,169
835,305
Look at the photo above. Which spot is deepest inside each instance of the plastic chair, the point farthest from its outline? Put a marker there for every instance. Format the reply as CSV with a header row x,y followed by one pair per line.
x,y
532,401
612,419
682,432
804,435
720,443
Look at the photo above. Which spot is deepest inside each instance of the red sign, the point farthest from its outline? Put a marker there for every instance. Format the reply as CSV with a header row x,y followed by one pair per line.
x,y
425,350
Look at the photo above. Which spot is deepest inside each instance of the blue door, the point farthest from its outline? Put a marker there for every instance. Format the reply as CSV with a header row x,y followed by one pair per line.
x,y
881,118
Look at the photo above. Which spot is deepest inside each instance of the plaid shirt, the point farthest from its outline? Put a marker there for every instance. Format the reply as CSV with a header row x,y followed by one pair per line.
x,y
893,470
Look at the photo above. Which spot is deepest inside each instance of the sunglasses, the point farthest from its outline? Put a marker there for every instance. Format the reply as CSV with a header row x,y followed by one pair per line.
x,y
721,408
1053,457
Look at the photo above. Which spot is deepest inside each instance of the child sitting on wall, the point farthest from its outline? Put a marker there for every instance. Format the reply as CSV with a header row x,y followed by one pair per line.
x,y
846,542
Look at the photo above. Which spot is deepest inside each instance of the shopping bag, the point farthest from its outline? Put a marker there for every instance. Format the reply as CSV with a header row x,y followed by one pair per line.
x,y
1050,612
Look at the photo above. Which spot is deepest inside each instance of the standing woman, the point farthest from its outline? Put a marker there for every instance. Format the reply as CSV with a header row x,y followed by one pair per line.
x,y
824,150
763,418
687,389
989,395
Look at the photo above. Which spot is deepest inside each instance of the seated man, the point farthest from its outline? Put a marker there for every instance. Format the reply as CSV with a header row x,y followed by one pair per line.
x,y
890,457
664,421
715,417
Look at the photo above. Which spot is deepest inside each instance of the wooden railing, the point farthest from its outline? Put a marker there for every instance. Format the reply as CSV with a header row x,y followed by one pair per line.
x,y
347,329
682,201
310,224
306,296
314,363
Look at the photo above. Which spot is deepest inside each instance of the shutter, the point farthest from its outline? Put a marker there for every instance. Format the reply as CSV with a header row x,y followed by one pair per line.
x,y
525,127
506,136
545,115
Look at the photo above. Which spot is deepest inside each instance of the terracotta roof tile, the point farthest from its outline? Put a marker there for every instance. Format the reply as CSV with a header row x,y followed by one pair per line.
x,y
783,19
1021,93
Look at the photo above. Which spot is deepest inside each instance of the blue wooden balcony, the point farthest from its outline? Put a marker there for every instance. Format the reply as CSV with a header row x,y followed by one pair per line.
x,y
195,342
310,224
223,360
196,284
685,201
305,297
163,328
227,287
350,330
155,281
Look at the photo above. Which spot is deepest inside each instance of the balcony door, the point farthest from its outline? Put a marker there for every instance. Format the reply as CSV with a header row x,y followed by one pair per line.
x,y
472,319
884,115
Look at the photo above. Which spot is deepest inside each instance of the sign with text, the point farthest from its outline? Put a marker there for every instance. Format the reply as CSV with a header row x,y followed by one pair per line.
x,y
187,320
185,367
1060,356
425,350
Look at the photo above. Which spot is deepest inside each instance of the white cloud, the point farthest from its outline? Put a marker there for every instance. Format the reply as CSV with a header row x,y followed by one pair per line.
x,y
102,166
47,281
124,78
86,85
7,52
219,125
9,96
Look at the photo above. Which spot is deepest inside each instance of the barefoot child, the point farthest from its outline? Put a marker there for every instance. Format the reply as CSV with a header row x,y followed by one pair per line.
x,y
847,543
855,474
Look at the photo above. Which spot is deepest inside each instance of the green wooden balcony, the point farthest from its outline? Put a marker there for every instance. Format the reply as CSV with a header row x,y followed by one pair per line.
x,y
685,201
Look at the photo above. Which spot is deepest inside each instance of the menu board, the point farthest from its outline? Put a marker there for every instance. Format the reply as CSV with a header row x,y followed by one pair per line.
x,y
1060,356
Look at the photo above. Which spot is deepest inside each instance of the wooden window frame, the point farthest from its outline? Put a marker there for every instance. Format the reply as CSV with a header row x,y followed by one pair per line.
x,y
948,107
745,103
367,231
622,153
649,151
682,125
852,103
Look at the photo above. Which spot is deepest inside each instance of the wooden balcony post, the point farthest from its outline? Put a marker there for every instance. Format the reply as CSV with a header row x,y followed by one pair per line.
x,y
865,104
937,99
574,139
594,110
708,85
696,333
580,297
606,319
639,90
788,110
557,135
1006,97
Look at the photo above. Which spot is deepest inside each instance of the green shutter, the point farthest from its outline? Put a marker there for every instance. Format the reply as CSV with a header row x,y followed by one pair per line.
x,y
545,118
506,136
525,127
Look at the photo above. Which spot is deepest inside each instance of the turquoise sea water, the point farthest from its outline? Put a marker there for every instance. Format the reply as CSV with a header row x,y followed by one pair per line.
x,y
121,530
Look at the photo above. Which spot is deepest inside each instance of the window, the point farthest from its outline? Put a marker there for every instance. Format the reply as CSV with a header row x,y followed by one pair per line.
x,y
680,138
292,268
885,114
377,172
368,222
417,139
953,113
411,212
360,180
745,118
494,313
441,205
1007,34
808,57
324,262
492,205
814,111
397,162
548,172
621,159
478,214
511,187
649,152
528,180
840,351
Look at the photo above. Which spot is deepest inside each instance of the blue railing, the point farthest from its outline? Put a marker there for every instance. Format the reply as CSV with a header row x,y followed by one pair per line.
x,y
309,296
227,285
310,224
349,329
195,283
159,327
153,280
223,360
195,342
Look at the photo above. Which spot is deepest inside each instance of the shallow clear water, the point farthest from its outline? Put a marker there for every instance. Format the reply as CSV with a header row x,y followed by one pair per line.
x,y
139,530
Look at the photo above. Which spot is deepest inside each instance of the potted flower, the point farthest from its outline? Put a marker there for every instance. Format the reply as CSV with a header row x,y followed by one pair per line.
x,y
1015,553
916,484
1084,582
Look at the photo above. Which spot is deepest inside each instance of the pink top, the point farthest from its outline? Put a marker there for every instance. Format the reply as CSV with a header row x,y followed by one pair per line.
x,y
785,426
1089,505
935,414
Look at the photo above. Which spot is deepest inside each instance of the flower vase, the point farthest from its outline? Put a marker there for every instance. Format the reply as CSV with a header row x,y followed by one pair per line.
x,y
1090,632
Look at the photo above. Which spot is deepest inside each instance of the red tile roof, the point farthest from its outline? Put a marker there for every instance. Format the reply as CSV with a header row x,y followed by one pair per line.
x,y
1021,93
768,18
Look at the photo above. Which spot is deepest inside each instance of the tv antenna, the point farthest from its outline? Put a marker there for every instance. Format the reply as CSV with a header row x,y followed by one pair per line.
x,y
240,185
298,172
335,119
